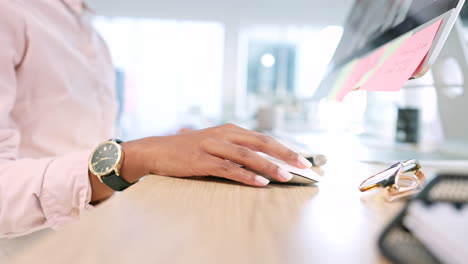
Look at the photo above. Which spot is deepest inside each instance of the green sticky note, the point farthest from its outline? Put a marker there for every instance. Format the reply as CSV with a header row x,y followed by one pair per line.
x,y
340,81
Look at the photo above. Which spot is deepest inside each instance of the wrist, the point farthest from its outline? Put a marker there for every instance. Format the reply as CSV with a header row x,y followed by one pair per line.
x,y
132,168
100,191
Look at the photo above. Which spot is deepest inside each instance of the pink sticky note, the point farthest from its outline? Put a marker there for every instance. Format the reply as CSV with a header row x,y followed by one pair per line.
x,y
362,66
420,68
397,69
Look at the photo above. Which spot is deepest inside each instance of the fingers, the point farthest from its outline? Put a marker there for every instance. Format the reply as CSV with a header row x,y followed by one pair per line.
x,y
268,145
247,157
226,169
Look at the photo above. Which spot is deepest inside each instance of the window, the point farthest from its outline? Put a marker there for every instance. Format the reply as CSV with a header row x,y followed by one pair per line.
x,y
283,67
171,71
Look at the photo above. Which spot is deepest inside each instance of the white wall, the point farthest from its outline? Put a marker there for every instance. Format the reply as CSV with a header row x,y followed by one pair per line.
x,y
316,12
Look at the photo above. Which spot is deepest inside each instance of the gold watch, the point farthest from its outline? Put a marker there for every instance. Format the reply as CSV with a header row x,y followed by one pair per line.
x,y
105,163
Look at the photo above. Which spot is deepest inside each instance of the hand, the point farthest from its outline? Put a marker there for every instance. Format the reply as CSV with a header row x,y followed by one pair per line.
x,y
214,151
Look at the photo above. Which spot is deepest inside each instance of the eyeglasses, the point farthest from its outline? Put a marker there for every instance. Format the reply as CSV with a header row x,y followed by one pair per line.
x,y
402,179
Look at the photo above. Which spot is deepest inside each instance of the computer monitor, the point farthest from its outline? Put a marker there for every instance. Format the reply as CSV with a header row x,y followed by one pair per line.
x,y
373,23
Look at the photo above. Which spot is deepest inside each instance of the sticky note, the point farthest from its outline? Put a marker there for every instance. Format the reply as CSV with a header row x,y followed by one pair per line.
x,y
362,67
341,79
365,67
399,67
420,69
387,51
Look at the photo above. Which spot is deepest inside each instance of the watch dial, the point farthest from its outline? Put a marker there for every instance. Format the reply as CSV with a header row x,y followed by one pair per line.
x,y
105,158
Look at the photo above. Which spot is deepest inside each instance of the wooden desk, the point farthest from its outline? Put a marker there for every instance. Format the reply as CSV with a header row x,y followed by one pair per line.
x,y
171,220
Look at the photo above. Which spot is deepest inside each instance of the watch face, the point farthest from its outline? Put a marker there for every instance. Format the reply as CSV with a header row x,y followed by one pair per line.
x,y
105,158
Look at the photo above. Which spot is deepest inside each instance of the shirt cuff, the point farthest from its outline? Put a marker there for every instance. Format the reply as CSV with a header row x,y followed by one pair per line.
x,y
66,189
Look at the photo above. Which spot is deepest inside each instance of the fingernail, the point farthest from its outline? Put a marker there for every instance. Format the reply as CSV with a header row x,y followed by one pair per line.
x,y
303,161
284,174
261,180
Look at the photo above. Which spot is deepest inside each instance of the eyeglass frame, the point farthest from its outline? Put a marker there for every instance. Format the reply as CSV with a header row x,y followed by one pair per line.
x,y
400,174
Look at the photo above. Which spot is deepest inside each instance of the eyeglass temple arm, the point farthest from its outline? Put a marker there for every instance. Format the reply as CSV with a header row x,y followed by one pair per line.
x,y
388,181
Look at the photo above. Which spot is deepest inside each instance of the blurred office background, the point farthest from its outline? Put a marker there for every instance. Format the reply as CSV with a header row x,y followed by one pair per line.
x,y
193,64
199,63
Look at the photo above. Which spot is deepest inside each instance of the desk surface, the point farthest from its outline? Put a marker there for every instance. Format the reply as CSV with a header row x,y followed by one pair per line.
x,y
171,220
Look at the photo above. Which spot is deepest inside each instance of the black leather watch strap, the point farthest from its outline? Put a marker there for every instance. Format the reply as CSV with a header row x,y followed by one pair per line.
x,y
114,181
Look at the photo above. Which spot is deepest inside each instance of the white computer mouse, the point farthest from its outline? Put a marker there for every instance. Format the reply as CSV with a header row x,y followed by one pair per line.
x,y
300,176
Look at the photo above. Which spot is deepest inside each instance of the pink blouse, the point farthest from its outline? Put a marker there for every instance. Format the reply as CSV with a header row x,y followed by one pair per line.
x,y
57,102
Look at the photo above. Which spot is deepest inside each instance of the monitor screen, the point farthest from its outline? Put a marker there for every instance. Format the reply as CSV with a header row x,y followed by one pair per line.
x,y
373,23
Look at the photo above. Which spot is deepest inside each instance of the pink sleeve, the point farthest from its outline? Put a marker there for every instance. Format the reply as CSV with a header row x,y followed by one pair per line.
x,y
40,193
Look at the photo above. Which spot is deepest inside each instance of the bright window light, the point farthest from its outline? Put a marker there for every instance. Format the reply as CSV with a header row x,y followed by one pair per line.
x,y
268,60
173,71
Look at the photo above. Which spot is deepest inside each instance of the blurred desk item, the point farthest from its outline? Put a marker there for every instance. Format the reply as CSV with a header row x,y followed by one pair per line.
x,y
442,229
432,228
407,130
173,220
